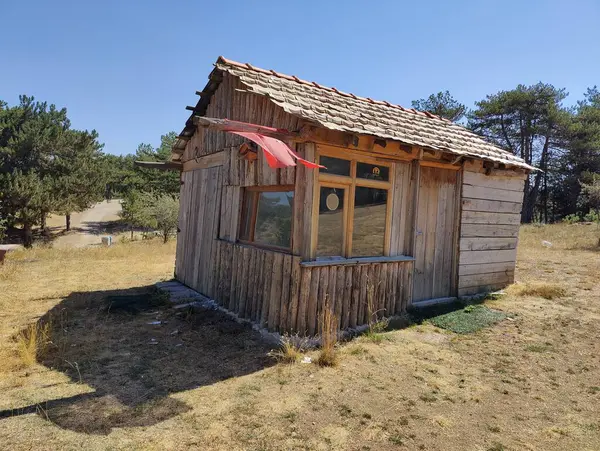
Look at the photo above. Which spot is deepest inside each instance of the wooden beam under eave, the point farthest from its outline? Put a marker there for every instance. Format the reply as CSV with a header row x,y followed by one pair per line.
x,y
227,125
160,165
206,161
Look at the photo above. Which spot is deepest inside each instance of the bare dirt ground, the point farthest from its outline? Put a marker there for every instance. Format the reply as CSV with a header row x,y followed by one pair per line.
x,y
109,379
87,226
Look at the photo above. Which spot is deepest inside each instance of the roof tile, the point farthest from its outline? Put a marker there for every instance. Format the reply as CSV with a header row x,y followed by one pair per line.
x,y
350,113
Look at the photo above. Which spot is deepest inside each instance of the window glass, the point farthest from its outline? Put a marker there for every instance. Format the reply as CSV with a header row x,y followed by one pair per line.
x,y
369,222
274,218
335,166
372,171
330,239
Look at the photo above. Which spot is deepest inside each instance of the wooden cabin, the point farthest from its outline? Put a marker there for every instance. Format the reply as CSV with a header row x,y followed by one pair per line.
x,y
407,209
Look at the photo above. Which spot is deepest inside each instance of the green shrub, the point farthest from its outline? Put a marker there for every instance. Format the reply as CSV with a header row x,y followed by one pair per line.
x,y
572,218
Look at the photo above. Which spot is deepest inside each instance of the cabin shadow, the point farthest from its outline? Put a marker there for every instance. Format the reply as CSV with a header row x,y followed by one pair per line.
x,y
134,351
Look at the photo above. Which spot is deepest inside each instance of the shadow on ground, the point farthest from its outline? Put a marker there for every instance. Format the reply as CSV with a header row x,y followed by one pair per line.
x,y
134,351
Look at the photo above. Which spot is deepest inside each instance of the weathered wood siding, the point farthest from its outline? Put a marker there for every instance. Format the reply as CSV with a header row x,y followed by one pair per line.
x,y
435,234
402,209
258,284
231,100
199,227
350,289
490,219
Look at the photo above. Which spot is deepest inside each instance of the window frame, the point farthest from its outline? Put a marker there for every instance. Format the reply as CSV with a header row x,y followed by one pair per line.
x,y
350,183
254,214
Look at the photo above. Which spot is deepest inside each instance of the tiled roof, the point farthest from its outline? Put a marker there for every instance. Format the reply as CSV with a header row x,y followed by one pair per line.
x,y
337,110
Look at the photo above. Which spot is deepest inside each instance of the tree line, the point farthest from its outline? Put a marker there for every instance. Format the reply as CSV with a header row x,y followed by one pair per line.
x,y
534,123
47,167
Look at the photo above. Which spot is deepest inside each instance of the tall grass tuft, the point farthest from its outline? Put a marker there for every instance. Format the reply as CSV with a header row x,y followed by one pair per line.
x,y
377,323
540,289
328,323
32,342
290,350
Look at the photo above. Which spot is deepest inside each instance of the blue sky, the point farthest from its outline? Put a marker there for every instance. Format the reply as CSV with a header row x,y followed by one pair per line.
x,y
128,68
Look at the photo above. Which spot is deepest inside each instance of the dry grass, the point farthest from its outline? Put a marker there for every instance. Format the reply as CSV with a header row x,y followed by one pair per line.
x,y
328,355
32,342
546,290
290,351
526,383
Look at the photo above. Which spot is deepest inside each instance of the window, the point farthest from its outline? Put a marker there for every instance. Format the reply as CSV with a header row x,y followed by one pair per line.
x,y
353,207
267,216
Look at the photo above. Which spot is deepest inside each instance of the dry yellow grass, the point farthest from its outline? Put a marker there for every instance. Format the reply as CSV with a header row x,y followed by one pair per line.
x,y
289,351
526,383
546,290
328,355
32,342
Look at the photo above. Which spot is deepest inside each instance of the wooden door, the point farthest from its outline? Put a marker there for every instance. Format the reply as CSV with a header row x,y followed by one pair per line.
x,y
435,245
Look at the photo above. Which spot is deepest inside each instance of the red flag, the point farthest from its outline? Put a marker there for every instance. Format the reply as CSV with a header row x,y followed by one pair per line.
x,y
277,153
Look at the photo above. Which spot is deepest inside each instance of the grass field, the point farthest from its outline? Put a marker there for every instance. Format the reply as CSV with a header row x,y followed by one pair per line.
x,y
76,374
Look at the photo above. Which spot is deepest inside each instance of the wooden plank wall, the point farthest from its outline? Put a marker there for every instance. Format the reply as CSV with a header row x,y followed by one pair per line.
x,y
231,100
490,219
348,289
402,210
258,284
199,228
435,234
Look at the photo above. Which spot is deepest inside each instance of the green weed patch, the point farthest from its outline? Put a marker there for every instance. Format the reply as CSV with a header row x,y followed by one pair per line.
x,y
469,319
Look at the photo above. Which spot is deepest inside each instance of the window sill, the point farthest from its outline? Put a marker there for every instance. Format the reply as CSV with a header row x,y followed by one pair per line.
x,y
357,261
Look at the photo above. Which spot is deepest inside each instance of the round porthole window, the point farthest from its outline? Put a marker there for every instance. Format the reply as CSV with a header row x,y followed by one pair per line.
x,y
332,201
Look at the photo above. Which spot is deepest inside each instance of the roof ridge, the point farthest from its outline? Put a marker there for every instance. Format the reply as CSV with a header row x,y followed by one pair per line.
x,y
427,114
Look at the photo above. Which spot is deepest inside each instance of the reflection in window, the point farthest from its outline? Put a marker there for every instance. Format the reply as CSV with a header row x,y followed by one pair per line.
x,y
335,166
330,239
369,222
372,171
267,218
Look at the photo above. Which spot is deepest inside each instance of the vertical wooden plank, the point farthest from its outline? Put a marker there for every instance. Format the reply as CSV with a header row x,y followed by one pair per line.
x,y
251,268
398,202
225,275
216,269
452,253
430,229
266,288
408,280
339,295
421,195
308,185
275,297
257,284
347,297
243,283
295,288
389,299
357,289
381,280
304,300
437,275
405,213
311,313
362,300
399,287
323,290
298,212
235,212
285,293
332,287
235,258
